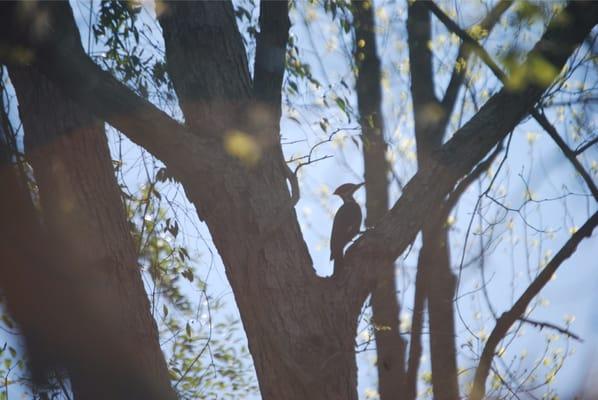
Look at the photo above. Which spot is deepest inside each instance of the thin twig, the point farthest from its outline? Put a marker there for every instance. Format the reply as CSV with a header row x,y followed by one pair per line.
x,y
507,319
584,146
569,154
543,324
540,118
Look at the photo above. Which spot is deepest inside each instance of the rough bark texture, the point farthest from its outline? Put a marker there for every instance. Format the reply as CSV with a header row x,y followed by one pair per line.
x,y
27,263
291,319
390,347
300,327
110,343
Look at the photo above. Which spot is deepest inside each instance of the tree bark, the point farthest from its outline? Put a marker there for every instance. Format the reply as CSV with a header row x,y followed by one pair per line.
x,y
101,280
27,263
291,316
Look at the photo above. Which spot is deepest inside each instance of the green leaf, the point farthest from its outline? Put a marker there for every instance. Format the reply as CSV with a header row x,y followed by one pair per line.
x,y
188,274
341,104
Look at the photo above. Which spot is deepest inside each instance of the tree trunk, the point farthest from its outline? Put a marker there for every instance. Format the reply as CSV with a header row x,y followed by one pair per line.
x,y
110,343
440,289
431,117
390,347
26,263
300,333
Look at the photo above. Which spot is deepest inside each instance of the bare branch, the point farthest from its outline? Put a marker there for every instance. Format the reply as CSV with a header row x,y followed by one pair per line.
x,y
468,180
584,146
59,56
541,119
458,73
507,319
543,324
499,116
474,45
552,132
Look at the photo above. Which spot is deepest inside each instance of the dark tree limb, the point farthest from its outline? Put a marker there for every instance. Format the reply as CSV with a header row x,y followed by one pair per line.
x,y
207,62
508,318
59,55
538,116
544,324
584,146
499,116
465,37
415,337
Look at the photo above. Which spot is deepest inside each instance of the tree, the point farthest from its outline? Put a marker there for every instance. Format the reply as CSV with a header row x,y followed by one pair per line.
x,y
228,157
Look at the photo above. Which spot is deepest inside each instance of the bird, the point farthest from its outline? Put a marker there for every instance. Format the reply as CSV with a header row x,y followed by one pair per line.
x,y
346,224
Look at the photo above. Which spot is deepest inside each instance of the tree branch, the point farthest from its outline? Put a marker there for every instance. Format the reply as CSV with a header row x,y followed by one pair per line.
x,y
584,146
59,55
458,74
466,38
540,118
552,132
455,195
542,324
501,113
507,319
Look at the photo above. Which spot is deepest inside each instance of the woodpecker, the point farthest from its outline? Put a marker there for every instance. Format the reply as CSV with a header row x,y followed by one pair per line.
x,y
346,224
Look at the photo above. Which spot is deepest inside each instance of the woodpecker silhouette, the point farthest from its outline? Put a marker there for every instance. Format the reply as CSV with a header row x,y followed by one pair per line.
x,y
346,224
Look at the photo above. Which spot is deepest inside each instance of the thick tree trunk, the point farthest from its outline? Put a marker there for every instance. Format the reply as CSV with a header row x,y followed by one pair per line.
x,y
390,347
27,264
440,289
300,334
110,346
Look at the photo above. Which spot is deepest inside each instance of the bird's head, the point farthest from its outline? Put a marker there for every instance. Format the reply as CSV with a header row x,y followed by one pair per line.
x,y
346,190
